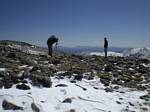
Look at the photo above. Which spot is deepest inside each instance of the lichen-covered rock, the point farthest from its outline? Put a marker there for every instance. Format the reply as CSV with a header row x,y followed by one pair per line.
x,y
40,80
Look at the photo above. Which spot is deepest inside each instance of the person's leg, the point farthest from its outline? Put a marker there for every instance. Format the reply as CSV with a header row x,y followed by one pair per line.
x,y
105,49
50,50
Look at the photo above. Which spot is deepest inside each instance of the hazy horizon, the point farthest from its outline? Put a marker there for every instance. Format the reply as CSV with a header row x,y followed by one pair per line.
x,y
76,22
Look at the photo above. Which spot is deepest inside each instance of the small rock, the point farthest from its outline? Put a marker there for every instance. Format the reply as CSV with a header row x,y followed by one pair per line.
x,y
77,72
67,100
72,110
61,85
11,55
1,83
145,97
144,109
131,104
35,108
95,87
8,84
120,98
108,68
10,106
109,90
121,92
78,77
55,61
22,87
116,87
2,73
105,82
66,74
118,102
35,68
73,81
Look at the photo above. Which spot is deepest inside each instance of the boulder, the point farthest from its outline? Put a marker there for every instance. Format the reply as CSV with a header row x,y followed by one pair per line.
x,y
40,80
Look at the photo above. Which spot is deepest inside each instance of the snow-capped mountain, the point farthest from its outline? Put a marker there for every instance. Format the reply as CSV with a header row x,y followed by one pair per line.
x,y
109,53
138,52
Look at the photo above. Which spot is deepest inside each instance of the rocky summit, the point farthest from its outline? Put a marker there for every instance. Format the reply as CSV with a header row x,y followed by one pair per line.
x,y
23,65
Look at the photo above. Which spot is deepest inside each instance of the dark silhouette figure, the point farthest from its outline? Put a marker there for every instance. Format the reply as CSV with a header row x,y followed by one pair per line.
x,y
51,40
105,46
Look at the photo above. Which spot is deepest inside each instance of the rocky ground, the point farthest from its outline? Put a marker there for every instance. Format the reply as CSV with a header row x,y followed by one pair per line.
x,y
20,67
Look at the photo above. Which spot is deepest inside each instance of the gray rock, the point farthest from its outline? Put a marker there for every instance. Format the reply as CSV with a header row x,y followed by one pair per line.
x,y
1,83
35,108
10,106
22,87
67,100
78,77
105,82
145,97
61,85
109,90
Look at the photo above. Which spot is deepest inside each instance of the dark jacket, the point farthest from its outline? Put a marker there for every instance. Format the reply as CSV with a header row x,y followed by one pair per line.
x,y
52,40
105,43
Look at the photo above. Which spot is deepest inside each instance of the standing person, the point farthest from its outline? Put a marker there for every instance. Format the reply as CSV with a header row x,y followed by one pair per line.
x,y
105,46
51,40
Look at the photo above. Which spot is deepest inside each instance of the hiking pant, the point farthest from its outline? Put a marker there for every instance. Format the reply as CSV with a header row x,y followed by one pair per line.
x,y
50,50
105,50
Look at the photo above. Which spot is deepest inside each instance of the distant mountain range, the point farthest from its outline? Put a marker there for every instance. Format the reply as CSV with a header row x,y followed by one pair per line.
x,y
89,49
85,50
138,52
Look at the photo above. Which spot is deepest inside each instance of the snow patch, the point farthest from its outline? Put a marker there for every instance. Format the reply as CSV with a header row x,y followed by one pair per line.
x,y
91,100
2,69
109,54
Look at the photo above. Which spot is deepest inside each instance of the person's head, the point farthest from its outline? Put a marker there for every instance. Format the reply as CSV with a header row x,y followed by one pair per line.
x,y
105,39
53,39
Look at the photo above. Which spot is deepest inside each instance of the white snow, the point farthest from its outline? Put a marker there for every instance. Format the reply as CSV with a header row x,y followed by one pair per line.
x,y
2,69
35,52
109,54
143,52
28,49
91,100
23,66
146,65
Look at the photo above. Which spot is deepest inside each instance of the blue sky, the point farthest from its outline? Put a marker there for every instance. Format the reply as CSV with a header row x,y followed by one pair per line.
x,y
126,23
